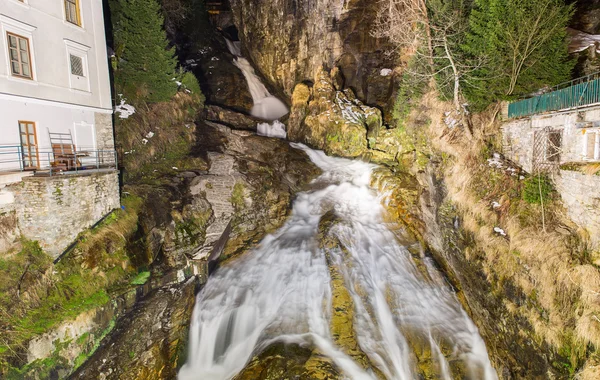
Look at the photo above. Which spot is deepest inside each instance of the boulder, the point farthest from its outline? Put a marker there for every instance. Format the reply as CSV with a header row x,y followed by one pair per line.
x,y
231,118
332,120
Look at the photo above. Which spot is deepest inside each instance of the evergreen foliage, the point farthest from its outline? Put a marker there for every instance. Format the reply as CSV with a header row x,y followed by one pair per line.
x,y
145,65
524,46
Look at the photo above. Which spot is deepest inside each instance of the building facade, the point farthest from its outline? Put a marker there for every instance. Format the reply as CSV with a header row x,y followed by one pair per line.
x,y
54,79
58,166
565,145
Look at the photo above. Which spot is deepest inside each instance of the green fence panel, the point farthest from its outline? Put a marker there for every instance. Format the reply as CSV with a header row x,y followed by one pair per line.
x,y
573,96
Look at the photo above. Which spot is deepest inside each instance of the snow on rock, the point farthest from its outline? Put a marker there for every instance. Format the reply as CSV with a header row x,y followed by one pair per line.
x,y
125,110
386,72
496,161
275,129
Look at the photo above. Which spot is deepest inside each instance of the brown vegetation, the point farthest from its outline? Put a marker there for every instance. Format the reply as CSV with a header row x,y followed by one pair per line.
x,y
547,260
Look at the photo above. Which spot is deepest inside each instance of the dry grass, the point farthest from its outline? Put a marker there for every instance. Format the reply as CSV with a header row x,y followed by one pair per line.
x,y
563,291
173,127
590,169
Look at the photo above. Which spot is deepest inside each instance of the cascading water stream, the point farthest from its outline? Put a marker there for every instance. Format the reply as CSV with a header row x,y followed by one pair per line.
x,y
266,106
282,291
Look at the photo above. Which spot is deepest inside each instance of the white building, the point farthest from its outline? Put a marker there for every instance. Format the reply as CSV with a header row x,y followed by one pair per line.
x,y
58,172
54,85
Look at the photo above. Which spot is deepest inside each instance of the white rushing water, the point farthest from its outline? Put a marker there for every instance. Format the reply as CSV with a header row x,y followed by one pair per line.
x,y
281,291
266,106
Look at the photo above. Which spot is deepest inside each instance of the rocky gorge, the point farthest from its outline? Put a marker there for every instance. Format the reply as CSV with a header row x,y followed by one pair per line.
x,y
257,247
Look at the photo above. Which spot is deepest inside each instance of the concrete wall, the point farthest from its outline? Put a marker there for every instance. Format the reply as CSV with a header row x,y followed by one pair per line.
x,y
91,130
518,136
580,194
55,99
51,40
54,210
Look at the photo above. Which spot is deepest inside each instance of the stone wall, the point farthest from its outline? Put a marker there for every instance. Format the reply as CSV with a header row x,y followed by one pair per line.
x,y
581,196
580,192
517,142
54,210
518,135
105,139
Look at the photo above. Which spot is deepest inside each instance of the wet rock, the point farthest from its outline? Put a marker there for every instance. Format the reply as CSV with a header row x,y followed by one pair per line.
x,y
148,342
342,305
231,118
290,42
402,198
249,186
335,121
221,81
291,361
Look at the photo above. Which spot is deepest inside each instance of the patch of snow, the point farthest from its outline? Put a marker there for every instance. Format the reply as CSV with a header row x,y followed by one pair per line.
x,y
175,168
348,112
495,162
214,59
495,205
144,141
450,121
275,129
499,231
178,83
149,135
125,110
386,72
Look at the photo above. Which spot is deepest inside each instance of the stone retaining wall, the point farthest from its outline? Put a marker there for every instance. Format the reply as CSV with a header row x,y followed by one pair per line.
x,y
581,196
54,210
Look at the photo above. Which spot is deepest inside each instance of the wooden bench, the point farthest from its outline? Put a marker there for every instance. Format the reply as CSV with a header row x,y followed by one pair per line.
x,y
64,157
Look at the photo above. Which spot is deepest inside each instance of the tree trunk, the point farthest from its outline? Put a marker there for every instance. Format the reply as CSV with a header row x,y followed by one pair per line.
x,y
423,8
456,75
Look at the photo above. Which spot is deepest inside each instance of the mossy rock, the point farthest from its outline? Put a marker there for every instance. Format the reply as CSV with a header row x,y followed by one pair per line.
x,y
289,361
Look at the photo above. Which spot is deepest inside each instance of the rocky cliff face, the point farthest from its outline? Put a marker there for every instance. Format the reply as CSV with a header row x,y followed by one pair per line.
x,y
291,41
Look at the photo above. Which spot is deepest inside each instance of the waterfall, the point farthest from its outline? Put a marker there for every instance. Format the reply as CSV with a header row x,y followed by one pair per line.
x,y
266,106
282,291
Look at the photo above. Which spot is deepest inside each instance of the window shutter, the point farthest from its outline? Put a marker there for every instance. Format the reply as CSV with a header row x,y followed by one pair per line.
x,y
76,65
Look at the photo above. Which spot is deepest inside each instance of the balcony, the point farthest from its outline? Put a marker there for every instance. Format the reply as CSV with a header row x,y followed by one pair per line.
x,y
17,161
580,92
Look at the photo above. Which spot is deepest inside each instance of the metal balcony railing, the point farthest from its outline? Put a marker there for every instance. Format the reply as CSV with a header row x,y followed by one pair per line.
x,y
577,93
46,161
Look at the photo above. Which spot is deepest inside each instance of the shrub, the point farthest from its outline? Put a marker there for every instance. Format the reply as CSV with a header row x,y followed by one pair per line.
x,y
145,64
537,188
190,82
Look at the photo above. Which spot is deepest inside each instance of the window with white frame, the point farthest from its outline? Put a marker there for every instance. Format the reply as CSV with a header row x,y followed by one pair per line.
x,y
591,145
18,45
77,61
73,12
19,56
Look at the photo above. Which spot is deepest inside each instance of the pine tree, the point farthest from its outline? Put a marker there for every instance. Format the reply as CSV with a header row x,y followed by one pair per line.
x,y
524,46
146,66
